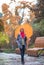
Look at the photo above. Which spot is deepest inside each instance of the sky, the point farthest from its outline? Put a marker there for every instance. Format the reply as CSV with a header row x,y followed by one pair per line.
x,y
12,5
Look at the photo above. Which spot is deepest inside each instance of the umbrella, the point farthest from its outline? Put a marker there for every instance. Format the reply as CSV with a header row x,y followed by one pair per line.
x,y
27,29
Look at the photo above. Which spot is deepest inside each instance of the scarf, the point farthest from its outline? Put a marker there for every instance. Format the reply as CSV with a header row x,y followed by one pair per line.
x,y
22,34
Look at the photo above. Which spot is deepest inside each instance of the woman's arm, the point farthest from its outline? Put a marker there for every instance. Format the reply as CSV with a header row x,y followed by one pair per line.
x,y
25,39
17,41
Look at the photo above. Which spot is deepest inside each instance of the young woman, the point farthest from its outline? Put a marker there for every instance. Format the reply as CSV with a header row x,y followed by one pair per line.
x,y
21,41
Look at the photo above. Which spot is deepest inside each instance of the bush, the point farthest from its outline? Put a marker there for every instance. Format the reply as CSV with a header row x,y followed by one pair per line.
x,y
39,27
38,30
4,40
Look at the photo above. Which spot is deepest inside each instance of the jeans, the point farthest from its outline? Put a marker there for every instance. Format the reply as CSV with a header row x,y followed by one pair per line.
x,y
22,53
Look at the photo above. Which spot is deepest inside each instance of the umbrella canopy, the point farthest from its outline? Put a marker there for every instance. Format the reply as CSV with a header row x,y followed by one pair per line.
x,y
27,29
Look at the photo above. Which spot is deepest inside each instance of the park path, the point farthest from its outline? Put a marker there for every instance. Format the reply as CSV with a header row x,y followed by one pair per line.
x,y
15,59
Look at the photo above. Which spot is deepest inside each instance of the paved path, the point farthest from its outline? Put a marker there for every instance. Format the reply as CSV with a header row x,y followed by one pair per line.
x,y
14,59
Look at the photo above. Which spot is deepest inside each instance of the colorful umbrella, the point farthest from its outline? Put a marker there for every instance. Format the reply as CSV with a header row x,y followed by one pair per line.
x,y
27,29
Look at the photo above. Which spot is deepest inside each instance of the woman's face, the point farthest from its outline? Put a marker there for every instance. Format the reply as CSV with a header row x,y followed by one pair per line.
x,y
22,30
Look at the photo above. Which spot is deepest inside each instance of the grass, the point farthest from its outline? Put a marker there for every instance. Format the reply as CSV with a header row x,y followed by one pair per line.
x,y
9,50
31,46
41,52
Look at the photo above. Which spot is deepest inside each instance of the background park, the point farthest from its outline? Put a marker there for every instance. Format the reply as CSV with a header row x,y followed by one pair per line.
x,y
16,14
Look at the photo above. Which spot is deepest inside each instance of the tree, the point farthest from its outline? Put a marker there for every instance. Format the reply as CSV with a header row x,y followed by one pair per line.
x,y
41,7
23,6
1,26
10,24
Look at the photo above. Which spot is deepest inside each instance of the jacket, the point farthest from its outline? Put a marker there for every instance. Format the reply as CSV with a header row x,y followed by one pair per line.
x,y
19,41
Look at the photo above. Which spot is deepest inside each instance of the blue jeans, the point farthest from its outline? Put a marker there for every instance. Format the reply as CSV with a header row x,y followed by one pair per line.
x,y
22,53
